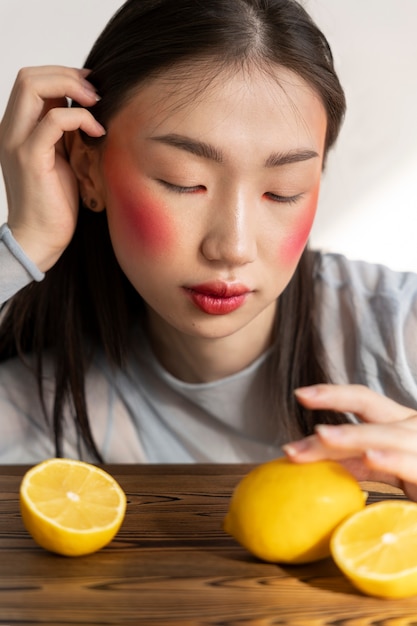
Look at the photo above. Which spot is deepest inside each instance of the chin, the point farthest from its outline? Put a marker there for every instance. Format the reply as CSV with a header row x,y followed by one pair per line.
x,y
217,327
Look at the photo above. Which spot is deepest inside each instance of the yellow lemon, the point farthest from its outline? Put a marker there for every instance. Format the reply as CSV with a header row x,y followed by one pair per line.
x,y
286,512
71,507
377,549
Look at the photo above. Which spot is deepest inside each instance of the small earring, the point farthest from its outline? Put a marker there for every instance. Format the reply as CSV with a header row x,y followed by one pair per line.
x,y
93,203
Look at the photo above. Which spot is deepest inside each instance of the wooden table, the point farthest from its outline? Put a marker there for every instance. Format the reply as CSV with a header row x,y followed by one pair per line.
x,y
171,564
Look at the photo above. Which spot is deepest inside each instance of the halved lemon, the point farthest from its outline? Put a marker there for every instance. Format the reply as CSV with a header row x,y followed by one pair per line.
x,y
71,507
377,549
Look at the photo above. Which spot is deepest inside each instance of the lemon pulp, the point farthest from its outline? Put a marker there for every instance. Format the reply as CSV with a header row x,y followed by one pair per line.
x,y
71,507
377,549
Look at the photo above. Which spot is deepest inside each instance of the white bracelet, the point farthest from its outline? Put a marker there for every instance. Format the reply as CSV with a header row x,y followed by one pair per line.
x,y
11,244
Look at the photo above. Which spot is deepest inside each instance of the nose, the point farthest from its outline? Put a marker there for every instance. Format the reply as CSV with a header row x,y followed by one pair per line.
x,y
231,234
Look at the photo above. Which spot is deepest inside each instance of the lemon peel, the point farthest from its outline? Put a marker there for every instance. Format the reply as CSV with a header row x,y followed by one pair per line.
x,y
286,512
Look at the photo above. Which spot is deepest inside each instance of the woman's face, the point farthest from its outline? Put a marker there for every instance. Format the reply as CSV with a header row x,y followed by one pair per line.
x,y
211,197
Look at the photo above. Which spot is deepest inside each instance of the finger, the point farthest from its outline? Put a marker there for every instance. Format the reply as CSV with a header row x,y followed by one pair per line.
x,y
402,464
41,145
48,83
56,103
360,469
358,438
358,466
312,449
365,403
31,92
63,102
354,440
53,103
54,69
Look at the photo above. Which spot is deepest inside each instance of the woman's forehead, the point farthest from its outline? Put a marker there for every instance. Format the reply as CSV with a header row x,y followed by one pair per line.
x,y
244,110
207,83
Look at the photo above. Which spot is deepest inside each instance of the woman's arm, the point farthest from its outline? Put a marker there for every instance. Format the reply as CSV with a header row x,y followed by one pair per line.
x,y
42,190
17,270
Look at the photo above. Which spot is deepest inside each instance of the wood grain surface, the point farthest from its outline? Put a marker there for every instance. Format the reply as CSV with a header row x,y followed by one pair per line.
x,y
172,564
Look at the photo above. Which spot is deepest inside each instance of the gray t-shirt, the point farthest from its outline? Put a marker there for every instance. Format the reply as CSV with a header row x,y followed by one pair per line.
x,y
368,322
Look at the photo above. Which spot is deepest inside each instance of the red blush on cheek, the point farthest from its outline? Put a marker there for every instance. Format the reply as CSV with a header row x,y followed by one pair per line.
x,y
294,243
145,223
138,217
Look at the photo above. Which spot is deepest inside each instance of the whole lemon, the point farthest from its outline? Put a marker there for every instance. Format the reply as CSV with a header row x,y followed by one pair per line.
x,y
286,512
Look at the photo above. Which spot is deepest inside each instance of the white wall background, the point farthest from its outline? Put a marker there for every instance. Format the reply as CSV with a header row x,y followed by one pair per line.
x,y
368,205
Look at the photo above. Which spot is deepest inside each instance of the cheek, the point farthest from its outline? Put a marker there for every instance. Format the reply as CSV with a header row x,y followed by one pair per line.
x,y
145,224
136,218
294,242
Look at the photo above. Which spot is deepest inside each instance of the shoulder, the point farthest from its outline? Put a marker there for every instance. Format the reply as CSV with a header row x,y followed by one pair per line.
x,y
339,277
367,318
339,273
356,292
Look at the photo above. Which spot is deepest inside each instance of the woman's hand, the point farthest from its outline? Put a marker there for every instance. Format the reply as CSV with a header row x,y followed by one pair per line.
x,y
383,447
42,190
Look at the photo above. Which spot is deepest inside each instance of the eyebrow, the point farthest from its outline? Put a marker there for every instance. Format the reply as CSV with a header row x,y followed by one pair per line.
x,y
207,151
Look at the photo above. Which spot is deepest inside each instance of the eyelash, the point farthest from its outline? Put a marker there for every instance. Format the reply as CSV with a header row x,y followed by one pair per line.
x,y
180,189
272,196
284,199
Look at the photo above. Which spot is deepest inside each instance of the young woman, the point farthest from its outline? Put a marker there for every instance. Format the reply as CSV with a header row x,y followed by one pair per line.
x,y
161,304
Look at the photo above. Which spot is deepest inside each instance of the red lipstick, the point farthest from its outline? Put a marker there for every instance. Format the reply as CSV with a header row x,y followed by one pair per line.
x,y
218,298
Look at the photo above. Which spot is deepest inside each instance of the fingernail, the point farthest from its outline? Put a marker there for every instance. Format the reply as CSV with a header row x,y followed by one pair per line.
x,y
295,447
306,392
92,94
90,89
327,431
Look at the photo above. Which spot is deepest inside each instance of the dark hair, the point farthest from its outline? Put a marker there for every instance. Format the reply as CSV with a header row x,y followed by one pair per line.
x,y
147,37
85,302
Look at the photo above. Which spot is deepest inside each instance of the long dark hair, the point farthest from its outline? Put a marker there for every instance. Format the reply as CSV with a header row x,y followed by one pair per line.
x,y
85,302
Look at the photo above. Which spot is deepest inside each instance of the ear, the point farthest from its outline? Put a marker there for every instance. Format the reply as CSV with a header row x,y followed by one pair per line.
x,y
84,161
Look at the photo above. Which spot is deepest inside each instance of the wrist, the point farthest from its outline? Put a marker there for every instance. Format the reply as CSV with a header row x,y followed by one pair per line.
x,y
37,247
7,237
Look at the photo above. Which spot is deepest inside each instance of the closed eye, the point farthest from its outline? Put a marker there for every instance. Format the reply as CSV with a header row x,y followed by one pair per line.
x,y
283,199
181,188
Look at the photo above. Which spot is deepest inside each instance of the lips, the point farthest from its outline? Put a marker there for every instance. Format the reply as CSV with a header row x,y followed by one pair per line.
x,y
218,298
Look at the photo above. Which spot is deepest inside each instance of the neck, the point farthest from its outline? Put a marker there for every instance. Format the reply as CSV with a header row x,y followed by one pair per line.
x,y
200,359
